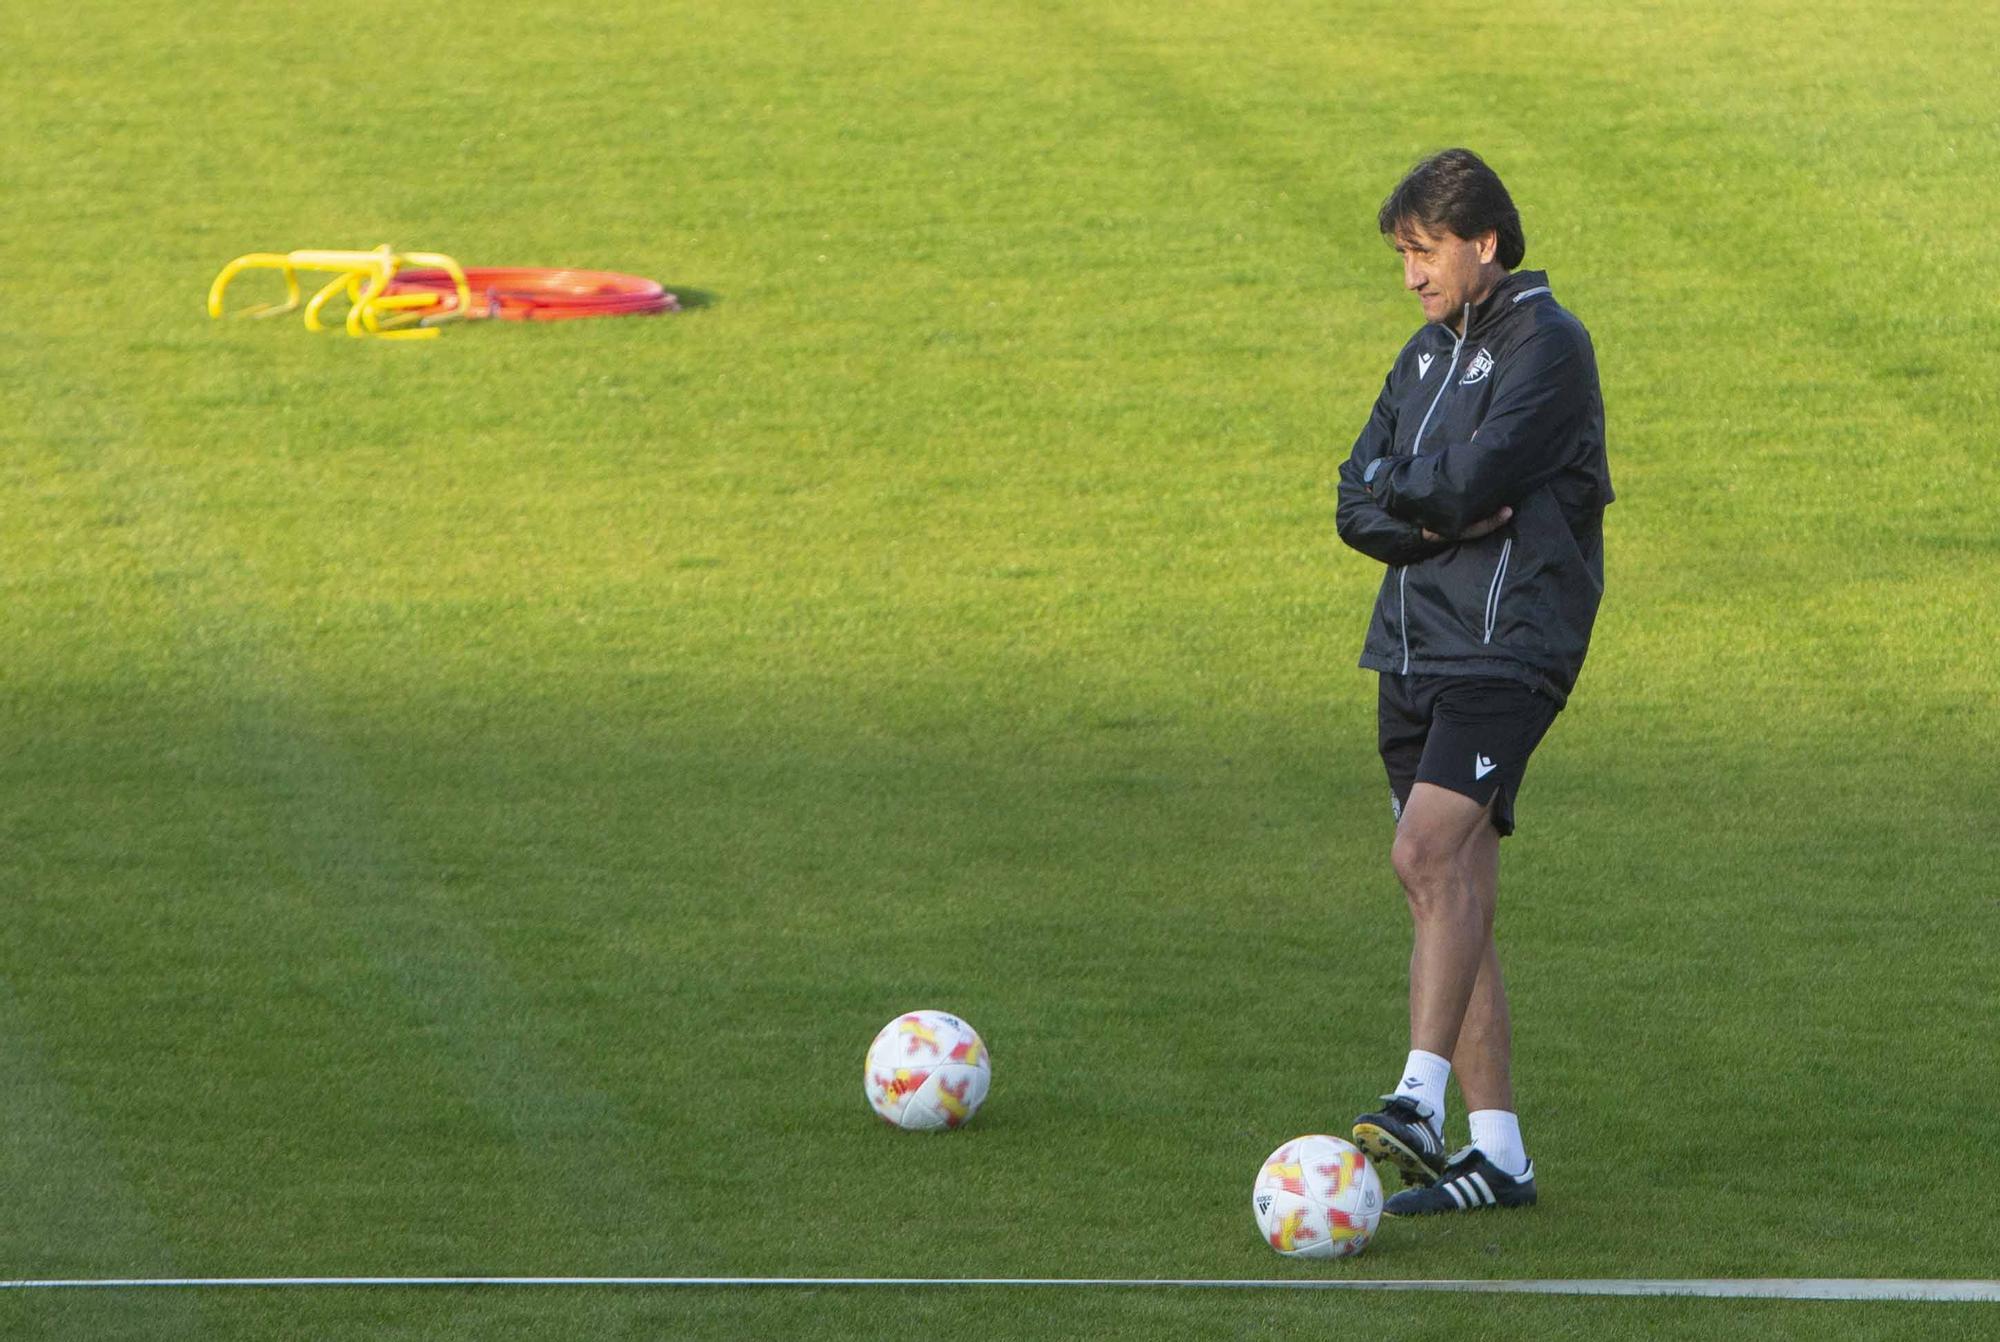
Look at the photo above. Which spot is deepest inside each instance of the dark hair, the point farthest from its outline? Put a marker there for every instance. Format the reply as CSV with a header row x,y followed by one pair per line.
x,y
1455,190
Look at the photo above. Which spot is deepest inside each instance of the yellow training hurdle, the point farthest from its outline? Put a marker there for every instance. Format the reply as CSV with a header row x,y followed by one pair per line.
x,y
364,278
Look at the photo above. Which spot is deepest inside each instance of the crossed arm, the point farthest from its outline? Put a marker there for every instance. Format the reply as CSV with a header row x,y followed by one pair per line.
x,y
1402,509
1371,528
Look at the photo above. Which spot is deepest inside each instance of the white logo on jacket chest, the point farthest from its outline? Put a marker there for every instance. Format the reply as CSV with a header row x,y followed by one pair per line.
x,y
1476,371
1424,366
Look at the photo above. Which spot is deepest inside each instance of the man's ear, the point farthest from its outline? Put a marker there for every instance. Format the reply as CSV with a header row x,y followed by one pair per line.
x,y
1489,246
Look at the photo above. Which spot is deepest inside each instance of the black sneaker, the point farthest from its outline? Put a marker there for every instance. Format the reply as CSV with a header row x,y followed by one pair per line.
x,y
1400,1133
1469,1183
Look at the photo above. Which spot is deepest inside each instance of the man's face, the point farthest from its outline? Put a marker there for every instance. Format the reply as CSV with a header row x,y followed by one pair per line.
x,y
1445,271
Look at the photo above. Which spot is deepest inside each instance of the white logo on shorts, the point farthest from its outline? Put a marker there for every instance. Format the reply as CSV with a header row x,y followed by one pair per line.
x,y
1481,766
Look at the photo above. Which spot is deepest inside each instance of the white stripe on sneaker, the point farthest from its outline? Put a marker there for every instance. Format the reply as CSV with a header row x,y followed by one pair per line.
x,y
1456,1196
1486,1191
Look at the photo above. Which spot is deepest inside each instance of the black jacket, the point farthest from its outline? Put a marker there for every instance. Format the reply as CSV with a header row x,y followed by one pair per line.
x,y
1508,415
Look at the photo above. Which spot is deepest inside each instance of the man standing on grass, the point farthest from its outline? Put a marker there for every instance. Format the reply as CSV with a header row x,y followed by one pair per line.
x,y
1480,481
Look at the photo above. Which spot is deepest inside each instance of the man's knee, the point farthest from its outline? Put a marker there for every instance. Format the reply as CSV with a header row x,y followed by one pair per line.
x,y
1440,834
1424,863
1438,887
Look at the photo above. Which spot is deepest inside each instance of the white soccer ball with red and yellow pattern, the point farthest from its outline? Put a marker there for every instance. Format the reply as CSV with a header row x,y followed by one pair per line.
x,y
1317,1197
927,1070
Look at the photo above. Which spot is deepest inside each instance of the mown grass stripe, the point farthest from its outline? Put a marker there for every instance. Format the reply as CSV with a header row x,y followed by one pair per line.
x,y
69,1197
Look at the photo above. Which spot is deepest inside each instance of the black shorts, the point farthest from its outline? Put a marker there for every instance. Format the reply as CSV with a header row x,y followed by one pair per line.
x,y
1472,734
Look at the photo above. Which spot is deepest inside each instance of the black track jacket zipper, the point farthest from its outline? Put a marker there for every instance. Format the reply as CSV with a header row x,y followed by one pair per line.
x,y
1416,446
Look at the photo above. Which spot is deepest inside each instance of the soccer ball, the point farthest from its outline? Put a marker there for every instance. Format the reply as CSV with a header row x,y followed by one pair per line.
x,y
927,1070
1317,1197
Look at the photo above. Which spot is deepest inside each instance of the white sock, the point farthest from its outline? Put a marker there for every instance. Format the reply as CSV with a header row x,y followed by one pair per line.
x,y
1497,1132
1424,1078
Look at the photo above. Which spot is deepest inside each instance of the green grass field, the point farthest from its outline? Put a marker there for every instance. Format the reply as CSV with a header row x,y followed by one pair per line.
x,y
465,807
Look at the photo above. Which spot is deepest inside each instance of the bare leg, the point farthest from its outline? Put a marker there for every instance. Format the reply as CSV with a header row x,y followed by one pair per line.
x,y
1447,855
1484,1056
1442,858
1483,1062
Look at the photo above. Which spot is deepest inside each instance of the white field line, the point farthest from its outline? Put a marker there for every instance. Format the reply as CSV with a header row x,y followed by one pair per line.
x,y
1726,1288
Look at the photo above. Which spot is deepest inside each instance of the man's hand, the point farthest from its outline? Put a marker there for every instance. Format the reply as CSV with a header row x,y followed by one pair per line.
x,y
1484,526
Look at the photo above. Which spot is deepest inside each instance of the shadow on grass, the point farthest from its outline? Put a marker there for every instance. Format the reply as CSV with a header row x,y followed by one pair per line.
x,y
524,965
693,300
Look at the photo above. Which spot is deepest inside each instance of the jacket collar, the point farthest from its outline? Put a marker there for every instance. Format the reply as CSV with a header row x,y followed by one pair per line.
x,y
1505,295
